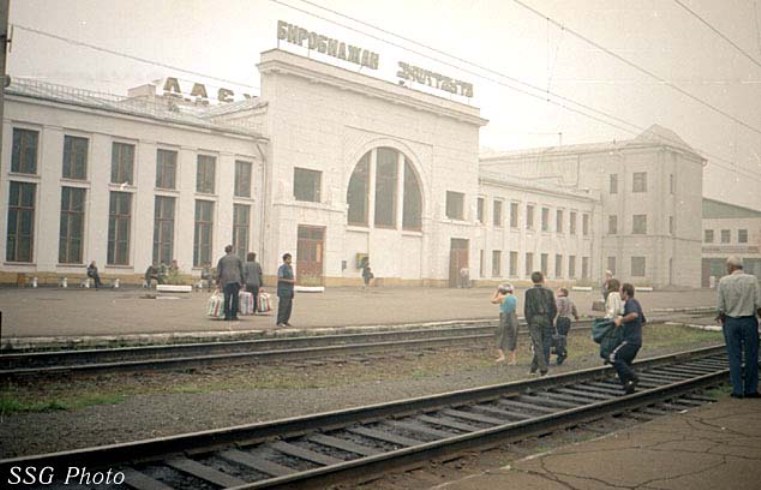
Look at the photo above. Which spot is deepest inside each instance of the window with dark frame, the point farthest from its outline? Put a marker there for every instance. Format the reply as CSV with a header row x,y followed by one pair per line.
x,y
20,231
455,205
119,227
386,178
166,169
614,183
559,221
122,163
206,173
639,224
241,229
708,236
545,219
742,236
24,151
571,267
514,215
558,266
480,210
572,228
75,157
639,182
585,267
513,264
306,184
544,264
638,266
497,214
357,195
163,230
72,225
585,224
243,173
529,265
412,210
529,217
612,224
202,232
496,263
726,236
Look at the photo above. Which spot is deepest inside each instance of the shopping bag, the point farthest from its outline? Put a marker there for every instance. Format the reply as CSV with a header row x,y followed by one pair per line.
x,y
246,303
216,307
264,303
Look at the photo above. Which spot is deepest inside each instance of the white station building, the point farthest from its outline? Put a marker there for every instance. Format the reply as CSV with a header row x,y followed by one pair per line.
x,y
331,165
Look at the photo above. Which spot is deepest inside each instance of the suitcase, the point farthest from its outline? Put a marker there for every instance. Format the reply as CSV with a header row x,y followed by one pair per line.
x,y
216,308
246,303
265,304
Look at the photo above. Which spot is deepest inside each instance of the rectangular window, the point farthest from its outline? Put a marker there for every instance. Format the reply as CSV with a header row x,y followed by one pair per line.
x,y
529,263
571,267
585,224
243,178
166,169
639,182
545,219
585,267
241,227
639,224
24,151
206,170
725,236
455,203
742,236
122,163
544,264
612,224
497,215
119,223
163,230
671,225
708,236
20,236
672,183
358,192
480,210
72,225
559,221
481,264
412,211
75,157
514,215
202,233
306,185
558,266
513,264
529,217
612,265
496,263
638,266
386,178
614,183
573,223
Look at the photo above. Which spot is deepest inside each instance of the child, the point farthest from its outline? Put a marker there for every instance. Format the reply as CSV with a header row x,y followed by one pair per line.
x,y
566,309
507,331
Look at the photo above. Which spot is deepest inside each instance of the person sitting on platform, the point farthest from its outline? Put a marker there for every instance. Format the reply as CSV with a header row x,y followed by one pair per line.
x,y
151,273
92,272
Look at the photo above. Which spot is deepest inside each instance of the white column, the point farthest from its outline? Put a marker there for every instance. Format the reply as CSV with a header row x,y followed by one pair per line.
x,y
48,213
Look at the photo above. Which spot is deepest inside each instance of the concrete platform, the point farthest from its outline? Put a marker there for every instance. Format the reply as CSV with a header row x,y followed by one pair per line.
x,y
712,447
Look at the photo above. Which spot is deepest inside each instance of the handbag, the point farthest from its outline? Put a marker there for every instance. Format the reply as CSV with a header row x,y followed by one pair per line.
x,y
263,303
215,306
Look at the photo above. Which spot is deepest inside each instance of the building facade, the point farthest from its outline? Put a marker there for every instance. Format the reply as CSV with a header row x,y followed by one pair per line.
x,y
332,166
729,230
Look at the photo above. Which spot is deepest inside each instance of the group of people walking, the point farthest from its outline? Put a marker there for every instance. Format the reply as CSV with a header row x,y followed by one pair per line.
x,y
549,321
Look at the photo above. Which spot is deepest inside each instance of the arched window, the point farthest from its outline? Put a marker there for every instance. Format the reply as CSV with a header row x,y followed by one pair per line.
x,y
394,175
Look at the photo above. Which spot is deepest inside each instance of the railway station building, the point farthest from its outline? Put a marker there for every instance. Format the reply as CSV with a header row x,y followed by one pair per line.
x,y
331,165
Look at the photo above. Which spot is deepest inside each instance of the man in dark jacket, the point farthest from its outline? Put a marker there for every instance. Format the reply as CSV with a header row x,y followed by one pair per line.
x,y
230,277
539,310
285,288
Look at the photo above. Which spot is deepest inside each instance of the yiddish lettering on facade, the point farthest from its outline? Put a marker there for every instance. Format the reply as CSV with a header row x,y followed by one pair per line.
x,y
433,79
323,44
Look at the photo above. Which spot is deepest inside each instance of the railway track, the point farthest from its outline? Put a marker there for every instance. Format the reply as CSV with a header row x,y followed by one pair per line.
x,y
325,448
16,366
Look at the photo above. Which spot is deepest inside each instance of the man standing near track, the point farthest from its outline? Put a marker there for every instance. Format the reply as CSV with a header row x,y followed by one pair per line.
x,y
623,355
230,277
739,303
539,309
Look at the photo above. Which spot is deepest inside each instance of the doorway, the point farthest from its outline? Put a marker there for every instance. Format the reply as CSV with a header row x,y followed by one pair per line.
x,y
458,259
309,255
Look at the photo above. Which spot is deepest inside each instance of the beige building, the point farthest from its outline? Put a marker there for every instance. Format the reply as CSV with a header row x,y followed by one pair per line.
x,y
650,190
331,165
729,230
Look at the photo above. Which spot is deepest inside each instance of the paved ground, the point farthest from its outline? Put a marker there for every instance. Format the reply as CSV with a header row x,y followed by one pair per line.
x,y
67,314
713,447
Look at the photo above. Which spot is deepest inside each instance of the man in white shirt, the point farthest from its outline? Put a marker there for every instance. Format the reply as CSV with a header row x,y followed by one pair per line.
x,y
739,303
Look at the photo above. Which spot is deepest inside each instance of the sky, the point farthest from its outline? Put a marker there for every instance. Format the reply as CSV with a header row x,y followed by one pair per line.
x,y
544,72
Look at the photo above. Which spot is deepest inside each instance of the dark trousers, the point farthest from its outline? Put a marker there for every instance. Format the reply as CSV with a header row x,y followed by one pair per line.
x,y
540,330
741,337
284,308
621,358
96,279
254,290
563,325
231,291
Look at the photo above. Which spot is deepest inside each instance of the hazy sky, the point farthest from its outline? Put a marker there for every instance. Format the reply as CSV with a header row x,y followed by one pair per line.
x,y
681,73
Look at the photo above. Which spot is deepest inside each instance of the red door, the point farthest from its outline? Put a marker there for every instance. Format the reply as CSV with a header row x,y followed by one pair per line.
x,y
309,255
458,259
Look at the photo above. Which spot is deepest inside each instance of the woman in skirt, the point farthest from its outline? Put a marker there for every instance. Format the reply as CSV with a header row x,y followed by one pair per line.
x,y
507,331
